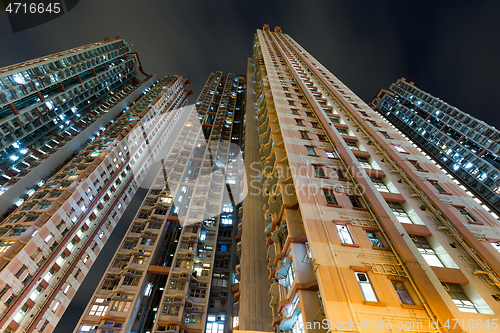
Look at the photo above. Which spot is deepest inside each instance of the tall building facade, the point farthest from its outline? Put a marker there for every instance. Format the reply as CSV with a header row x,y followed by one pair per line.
x,y
51,106
466,147
49,243
365,232
177,268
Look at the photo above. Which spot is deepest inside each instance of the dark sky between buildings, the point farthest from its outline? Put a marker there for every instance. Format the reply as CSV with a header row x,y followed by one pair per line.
x,y
448,48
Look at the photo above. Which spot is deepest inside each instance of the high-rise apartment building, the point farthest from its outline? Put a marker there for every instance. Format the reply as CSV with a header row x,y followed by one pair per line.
x,y
365,232
334,220
49,243
51,106
466,147
177,268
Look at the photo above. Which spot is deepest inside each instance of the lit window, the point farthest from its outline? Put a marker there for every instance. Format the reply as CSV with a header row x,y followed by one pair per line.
x,y
299,325
496,246
149,288
85,328
366,287
460,298
364,162
400,149
20,314
353,145
48,238
290,276
399,212
379,184
98,310
310,151
5,246
67,288
330,154
374,239
426,251
402,292
344,234
55,306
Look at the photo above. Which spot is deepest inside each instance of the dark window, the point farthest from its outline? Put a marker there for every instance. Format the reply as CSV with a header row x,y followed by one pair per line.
x,y
26,279
4,291
340,174
416,165
299,122
438,187
20,271
321,137
356,202
42,328
304,135
330,198
353,145
468,216
319,171
9,300
342,131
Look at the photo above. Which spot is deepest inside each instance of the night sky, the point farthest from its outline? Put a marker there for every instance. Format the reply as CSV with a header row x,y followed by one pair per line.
x,y
450,49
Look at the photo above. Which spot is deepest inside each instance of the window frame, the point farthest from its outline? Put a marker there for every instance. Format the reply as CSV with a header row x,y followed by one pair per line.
x,y
343,230
329,194
397,284
309,151
366,283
